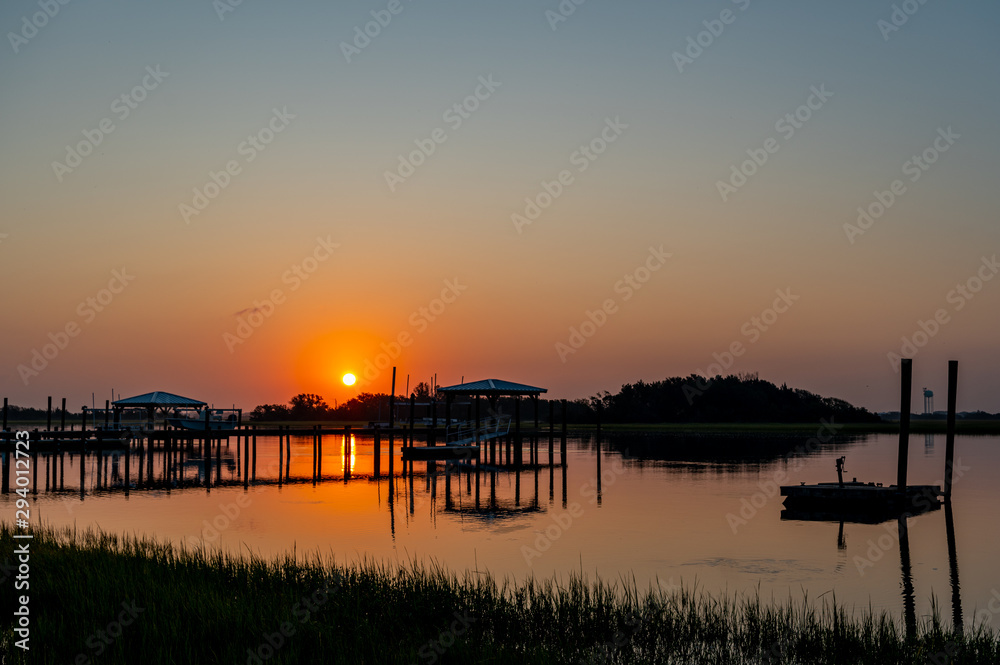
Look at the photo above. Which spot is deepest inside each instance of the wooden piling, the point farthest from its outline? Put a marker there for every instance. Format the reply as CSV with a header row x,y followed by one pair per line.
x,y
949,447
392,401
906,388
412,405
62,416
281,456
83,466
4,414
956,594
552,418
518,453
246,460
253,455
319,451
347,453
206,454
478,425
562,442
391,458
218,461
288,454
5,482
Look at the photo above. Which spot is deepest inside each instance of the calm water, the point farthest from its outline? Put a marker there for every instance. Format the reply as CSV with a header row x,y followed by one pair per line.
x,y
657,509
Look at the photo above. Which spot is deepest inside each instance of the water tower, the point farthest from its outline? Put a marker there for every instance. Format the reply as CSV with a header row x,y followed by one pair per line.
x,y
928,401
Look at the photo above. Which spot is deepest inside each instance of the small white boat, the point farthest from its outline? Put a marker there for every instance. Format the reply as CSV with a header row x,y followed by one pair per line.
x,y
218,419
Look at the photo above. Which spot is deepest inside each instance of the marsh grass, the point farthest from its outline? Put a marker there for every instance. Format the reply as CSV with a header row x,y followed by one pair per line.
x,y
209,607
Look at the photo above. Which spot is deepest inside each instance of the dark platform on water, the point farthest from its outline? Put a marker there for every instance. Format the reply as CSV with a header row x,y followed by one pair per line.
x,y
855,497
446,453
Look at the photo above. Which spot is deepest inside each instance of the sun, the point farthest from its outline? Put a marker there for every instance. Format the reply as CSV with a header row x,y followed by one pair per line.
x,y
349,379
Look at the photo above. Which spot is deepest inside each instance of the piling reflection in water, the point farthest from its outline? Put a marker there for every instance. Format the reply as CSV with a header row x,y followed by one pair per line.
x,y
463,507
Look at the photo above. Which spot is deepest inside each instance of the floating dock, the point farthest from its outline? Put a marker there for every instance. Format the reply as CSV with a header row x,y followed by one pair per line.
x,y
860,497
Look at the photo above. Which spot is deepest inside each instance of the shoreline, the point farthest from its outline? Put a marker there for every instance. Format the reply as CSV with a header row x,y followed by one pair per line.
x,y
207,606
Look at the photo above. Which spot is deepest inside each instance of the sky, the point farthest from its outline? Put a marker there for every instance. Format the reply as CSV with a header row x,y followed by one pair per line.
x,y
242,202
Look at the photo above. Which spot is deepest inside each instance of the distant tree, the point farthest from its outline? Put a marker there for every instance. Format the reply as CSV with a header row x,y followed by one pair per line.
x,y
308,406
422,390
270,412
365,407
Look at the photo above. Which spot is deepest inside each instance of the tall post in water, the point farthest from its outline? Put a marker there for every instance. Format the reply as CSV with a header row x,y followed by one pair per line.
x,y
347,452
62,416
206,450
48,416
906,370
949,448
412,405
392,401
478,425
552,425
5,414
431,439
246,460
314,454
319,451
562,442
5,484
518,453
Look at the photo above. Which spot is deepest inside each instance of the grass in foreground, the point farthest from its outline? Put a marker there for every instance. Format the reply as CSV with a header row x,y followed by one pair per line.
x,y
104,599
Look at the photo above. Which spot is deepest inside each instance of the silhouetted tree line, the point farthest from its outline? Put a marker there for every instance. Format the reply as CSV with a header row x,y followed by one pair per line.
x,y
732,399
744,398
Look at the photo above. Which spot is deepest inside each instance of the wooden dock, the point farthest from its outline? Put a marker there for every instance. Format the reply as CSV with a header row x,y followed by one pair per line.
x,y
856,497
